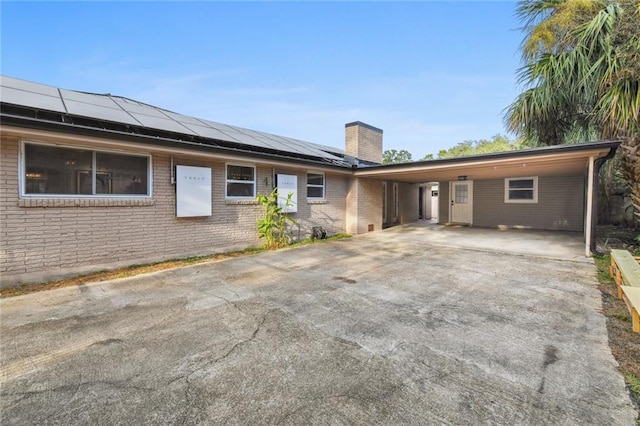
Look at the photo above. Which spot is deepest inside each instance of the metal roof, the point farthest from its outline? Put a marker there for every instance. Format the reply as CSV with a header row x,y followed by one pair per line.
x,y
128,112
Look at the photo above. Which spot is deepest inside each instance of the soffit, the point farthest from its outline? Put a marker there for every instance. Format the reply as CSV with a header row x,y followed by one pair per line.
x,y
562,164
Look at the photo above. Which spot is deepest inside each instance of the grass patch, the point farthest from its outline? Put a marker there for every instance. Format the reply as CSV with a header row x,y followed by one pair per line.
x,y
633,382
137,269
624,343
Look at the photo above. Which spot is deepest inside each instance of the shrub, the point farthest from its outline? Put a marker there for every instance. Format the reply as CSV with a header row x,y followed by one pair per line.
x,y
273,226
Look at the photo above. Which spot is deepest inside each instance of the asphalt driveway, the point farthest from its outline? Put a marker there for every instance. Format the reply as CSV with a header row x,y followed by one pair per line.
x,y
378,329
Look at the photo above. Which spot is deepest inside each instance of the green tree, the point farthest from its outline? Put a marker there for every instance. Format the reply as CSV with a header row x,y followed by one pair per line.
x,y
393,156
497,143
581,77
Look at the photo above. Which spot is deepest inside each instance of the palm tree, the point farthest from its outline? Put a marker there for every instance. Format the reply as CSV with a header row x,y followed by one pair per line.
x,y
581,72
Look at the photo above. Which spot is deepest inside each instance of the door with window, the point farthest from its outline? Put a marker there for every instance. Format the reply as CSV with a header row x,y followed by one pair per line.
x,y
461,206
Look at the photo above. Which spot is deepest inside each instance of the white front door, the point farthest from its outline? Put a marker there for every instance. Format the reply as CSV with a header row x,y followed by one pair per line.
x,y
434,202
461,206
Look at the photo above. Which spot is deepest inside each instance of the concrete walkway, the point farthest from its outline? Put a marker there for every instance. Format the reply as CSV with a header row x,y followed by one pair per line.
x,y
385,328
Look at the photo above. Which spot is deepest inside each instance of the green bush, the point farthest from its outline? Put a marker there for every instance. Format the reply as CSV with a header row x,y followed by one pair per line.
x,y
273,226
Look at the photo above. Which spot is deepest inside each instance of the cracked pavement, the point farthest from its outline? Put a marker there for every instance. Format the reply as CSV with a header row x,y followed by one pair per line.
x,y
379,329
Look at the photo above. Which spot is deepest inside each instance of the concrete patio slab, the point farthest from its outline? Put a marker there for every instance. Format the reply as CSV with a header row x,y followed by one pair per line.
x,y
546,244
380,329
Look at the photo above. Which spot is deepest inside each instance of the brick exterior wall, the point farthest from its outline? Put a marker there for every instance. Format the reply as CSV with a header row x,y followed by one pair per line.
x,y
43,239
364,205
363,141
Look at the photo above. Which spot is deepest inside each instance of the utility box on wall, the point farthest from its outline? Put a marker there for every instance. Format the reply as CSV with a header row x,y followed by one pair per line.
x,y
288,184
193,191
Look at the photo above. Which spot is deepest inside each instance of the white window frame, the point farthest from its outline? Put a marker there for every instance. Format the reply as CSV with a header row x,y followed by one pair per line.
x,y
323,186
521,201
22,167
227,181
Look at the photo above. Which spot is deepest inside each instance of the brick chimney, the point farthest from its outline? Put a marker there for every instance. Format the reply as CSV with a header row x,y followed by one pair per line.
x,y
363,141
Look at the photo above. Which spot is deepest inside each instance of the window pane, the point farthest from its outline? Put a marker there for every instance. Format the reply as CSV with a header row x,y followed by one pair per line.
x,y
239,189
521,194
315,179
521,183
239,173
461,194
121,174
53,170
315,192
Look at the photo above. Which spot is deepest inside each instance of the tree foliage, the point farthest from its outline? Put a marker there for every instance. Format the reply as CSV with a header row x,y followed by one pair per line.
x,y
581,77
394,156
497,143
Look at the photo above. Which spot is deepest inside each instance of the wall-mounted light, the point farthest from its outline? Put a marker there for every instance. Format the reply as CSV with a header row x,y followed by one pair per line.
x,y
462,177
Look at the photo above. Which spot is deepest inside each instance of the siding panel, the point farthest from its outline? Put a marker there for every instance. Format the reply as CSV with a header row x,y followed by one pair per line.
x,y
443,202
560,205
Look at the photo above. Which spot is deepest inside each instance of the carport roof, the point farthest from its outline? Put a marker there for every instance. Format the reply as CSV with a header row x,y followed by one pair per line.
x,y
560,160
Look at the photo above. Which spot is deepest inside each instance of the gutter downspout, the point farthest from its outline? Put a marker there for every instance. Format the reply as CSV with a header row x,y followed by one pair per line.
x,y
594,195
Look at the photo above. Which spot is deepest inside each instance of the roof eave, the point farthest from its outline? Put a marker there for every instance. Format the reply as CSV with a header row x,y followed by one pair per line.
x,y
157,141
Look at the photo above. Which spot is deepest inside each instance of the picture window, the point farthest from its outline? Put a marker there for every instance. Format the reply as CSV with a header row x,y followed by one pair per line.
x,y
63,171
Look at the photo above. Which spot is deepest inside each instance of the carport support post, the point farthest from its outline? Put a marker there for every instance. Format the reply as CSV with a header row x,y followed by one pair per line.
x,y
589,218
364,206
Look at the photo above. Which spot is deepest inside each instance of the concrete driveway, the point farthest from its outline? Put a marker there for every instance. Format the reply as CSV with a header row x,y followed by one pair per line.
x,y
379,329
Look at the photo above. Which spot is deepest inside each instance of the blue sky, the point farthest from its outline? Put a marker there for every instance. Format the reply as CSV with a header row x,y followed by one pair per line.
x,y
430,74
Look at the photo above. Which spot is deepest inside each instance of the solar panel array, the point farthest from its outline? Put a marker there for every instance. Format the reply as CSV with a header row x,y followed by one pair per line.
x,y
126,111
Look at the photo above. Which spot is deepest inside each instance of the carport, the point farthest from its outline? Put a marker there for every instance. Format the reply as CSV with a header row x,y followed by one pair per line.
x,y
550,188
551,245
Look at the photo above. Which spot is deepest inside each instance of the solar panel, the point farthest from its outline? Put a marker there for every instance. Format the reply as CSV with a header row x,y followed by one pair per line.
x,y
246,139
28,86
99,112
30,99
127,111
138,108
208,132
162,123
215,125
184,119
88,98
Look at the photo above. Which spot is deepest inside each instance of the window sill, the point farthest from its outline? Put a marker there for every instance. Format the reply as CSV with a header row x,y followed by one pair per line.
x,y
311,201
85,202
241,202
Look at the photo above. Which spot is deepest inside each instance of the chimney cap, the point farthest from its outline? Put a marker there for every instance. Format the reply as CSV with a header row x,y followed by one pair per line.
x,y
360,123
